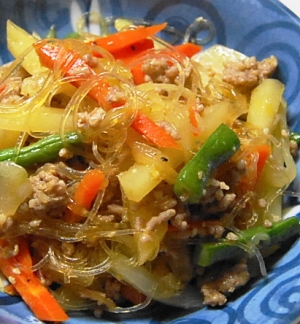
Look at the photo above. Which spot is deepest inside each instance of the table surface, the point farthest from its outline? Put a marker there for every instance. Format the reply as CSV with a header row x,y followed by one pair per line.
x,y
293,5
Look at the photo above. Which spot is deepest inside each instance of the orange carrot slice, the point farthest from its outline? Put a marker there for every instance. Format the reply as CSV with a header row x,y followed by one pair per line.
x,y
33,292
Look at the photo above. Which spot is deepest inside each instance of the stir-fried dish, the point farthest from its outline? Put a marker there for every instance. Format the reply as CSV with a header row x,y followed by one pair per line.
x,y
131,169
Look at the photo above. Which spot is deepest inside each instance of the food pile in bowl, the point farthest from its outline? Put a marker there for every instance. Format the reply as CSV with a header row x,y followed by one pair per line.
x,y
134,171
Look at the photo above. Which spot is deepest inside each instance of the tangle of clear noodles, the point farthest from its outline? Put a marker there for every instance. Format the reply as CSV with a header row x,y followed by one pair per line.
x,y
229,218
93,212
43,261
83,265
76,304
51,228
251,248
111,133
69,172
24,107
130,309
69,233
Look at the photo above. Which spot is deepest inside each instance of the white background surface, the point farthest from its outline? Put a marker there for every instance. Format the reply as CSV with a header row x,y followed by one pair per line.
x,y
293,5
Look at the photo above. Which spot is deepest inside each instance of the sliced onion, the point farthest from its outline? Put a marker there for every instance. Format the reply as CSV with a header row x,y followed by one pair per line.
x,y
139,277
15,187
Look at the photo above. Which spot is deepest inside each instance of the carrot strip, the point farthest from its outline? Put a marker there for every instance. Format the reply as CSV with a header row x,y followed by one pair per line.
x,y
89,186
138,74
130,53
188,49
2,88
102,93
49,53
24,257
153,132
87,190
255,158
194,121
264,151
70,63
115,42
33,292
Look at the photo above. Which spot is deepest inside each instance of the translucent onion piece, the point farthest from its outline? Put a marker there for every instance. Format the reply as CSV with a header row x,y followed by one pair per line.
x,y
143,280
97,296
71,301
15,187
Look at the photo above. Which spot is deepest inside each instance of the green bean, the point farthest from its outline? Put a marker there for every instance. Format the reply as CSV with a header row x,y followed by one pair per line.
x,y
220,146
210,253
42,151
294,136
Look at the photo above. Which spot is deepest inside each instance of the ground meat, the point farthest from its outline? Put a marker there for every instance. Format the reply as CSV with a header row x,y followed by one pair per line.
x,y
112,289
10,250
91,60
115,96
13,93
49,191
249,72
215,291
170,129
159,70
116,209
294,148
216,197
65,153
12,86
90,119
162,217
180,222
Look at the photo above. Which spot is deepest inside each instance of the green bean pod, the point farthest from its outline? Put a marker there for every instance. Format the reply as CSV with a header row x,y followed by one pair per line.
x,y
192,178
208,254
294,136
42,151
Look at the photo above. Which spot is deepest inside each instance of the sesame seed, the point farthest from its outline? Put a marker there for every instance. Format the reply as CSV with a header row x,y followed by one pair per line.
x,y
262,203
12,280
284,133
16,271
